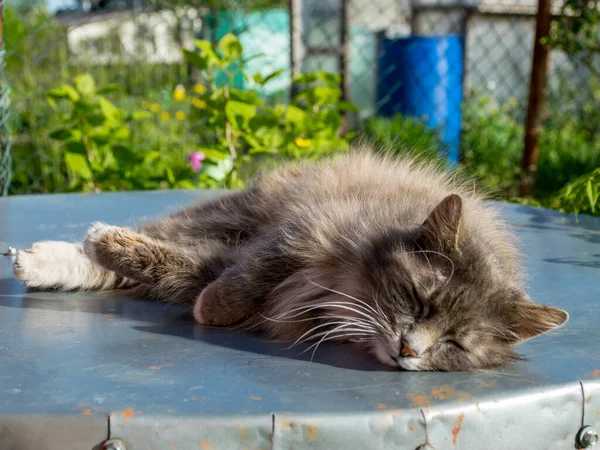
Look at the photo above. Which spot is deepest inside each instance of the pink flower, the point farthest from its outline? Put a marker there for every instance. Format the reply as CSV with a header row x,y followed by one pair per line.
x,y
195,159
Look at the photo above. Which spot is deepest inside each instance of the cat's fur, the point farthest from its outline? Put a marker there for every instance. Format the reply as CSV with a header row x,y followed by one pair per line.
x,y
396,257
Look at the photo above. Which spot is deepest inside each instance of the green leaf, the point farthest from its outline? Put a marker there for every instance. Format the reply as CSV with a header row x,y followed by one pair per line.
x,y
217,170
112,87
230,47
249,97
76,160
61,134
195,59
295,116
347,106
258,78
243,111
85,85
207,50
124,155
590,194
140,115
110,111
214,154
65,91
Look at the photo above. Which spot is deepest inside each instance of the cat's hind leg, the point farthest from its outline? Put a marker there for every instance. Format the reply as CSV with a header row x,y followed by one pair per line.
x,y
64,266
173,273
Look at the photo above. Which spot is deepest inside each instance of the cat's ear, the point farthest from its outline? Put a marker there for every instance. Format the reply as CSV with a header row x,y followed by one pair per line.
x,y
525,320
441,229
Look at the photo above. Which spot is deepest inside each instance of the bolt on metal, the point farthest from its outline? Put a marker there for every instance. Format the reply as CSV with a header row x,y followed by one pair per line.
x,y
114,444
587,437
10,252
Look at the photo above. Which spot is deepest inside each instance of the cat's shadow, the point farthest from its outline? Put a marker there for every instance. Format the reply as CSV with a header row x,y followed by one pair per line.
x,y
176,321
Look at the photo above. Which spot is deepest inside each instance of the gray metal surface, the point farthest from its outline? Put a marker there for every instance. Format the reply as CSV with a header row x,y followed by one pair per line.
x,y
78,368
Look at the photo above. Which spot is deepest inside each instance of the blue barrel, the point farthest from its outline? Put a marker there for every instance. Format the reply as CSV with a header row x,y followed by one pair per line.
x,y
421,77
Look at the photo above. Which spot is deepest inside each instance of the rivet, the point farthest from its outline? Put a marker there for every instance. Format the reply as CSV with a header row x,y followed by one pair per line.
x,y
587,437
114,444
10,252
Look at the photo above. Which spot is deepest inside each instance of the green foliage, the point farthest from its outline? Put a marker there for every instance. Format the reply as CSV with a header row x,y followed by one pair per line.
x,y
405,136
575,30
245,130
95,138
492,145
580,196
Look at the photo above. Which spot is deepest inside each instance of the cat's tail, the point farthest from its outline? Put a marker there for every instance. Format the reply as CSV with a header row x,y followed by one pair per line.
x,y
64,266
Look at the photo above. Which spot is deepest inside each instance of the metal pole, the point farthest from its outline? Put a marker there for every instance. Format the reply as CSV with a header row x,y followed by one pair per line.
x,y
296,44
537,86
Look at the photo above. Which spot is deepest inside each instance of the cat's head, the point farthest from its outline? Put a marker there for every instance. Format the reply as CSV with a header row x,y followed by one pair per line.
x,y
439,300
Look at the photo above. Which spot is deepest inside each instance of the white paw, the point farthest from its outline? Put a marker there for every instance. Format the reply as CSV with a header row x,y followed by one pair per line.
x,y
46,264
94,234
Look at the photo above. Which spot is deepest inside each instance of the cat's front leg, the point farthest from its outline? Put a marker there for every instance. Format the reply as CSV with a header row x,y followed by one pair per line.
x,y
127,252
171,273
241,290
63,265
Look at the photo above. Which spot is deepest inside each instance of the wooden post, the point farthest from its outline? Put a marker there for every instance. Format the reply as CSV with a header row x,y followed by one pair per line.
x,y
537,86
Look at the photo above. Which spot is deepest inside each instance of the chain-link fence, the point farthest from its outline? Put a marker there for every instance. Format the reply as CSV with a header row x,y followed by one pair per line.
x,y
426,58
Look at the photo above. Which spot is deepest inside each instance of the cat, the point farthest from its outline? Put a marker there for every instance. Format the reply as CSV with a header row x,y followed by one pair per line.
x,y
394,257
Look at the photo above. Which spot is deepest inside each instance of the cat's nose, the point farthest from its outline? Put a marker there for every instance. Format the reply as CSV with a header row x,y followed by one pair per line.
x,y
405,349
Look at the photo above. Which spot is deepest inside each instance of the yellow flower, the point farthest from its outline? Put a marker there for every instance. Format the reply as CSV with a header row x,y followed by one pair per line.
x,y
302,143
199,103
179,93
199,88
180,115
165,116
155,107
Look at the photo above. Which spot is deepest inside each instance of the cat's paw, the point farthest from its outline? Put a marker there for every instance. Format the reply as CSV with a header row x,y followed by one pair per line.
x,y
45,264
94,237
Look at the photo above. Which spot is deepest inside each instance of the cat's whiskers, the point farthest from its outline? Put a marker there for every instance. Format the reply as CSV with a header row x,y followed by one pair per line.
x,y
335,305
379,314
310,334
327,337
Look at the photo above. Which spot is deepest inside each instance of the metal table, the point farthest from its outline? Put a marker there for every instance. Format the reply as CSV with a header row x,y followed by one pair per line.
x,y
79,368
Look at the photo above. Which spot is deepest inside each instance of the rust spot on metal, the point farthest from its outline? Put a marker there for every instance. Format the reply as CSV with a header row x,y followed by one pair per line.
x,y
383,406
310,432
128,413
487,384
160,367
565,436
449,393
286,424
243,432
419,399
411,429
456,428
595,373
206,445
251,397
82,406
173,447
87,412
589,399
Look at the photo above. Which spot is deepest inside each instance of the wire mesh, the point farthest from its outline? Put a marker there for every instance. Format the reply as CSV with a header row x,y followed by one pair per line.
x,y
5,143
137,44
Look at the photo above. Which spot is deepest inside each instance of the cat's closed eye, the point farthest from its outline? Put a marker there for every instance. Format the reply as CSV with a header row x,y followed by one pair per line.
x,y
422,308
456,344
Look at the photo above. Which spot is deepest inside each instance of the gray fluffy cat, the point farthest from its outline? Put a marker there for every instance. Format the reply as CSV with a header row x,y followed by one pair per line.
x,y
391,256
